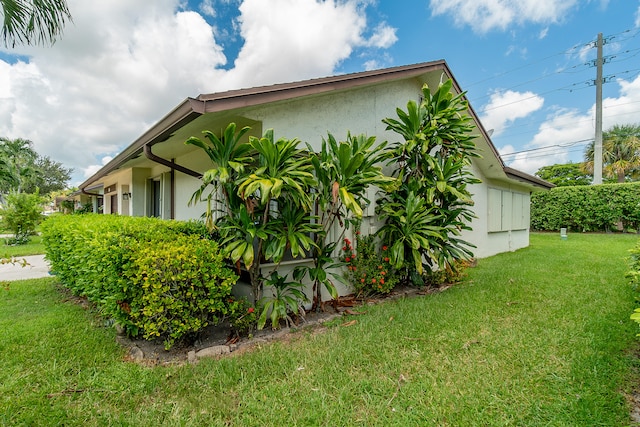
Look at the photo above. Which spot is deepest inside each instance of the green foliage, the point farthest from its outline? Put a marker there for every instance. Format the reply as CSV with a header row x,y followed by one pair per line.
x,y
33,22
430,209
242,317
264,186
604,207
156,278
369,269
344,171
21,215
22,169
620,153
287,297
565,175
539,336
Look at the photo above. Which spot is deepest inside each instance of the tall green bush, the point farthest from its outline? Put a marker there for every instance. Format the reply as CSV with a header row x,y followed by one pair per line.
x,y
604,207
425,216
21,215
158,279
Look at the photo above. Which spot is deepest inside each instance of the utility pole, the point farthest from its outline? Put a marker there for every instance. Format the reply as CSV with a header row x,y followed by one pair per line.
x,y
597,146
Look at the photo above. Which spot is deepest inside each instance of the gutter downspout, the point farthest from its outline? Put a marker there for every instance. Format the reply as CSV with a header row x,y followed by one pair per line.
x,y
149,155
174,167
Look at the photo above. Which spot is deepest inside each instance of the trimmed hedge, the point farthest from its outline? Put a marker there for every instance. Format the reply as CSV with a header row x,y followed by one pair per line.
x,y
156,278
604,207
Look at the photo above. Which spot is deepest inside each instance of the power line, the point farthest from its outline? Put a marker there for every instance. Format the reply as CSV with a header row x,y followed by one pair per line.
x,y
555,146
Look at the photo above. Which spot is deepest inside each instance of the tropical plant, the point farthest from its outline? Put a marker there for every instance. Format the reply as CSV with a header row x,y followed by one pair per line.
x,y
620,153
33,21
286,298
264,186
19,162
424,217
229,156
344,170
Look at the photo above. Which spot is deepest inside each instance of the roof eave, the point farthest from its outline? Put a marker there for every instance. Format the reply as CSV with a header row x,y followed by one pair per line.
x,y
184,113
527,179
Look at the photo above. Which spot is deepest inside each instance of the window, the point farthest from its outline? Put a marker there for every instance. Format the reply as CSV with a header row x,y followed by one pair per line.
x,y
507,210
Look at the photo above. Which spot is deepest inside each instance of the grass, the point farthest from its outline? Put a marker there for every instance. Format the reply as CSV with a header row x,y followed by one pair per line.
x,y
34,247
537,337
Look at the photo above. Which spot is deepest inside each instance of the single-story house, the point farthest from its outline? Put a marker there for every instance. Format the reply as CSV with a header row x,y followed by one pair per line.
x,y
157,173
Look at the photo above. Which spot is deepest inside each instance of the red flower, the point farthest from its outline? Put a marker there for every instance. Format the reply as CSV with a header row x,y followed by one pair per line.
x,y
373,280
344,248
361,280
358,233
250,310
384,248
386,259
383,272
347,259
382,281
379,267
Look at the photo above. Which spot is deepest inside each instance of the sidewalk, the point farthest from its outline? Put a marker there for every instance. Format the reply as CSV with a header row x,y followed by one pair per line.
x,y
36,268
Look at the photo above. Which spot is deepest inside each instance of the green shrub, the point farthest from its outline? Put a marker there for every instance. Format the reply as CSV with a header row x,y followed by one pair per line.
x,y
21,215
369,269
156,278
242,316
604,207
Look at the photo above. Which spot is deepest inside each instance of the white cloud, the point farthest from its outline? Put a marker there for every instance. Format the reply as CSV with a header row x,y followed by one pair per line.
x,y
121,65
90,170
565,133
543,33
506,107
384,37
486,15
638,17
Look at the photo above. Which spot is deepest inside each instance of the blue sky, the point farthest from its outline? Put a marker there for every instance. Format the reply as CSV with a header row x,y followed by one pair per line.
x,y
121,66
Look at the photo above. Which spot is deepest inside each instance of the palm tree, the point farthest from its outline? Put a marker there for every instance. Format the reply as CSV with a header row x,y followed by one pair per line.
x,y
33,21
18,163
620,152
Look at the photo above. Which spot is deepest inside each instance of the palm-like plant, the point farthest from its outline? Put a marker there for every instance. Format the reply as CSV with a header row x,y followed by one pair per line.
x,y
344,171
432,164
229,156
281,169
620,152
33,21
20,162
415,230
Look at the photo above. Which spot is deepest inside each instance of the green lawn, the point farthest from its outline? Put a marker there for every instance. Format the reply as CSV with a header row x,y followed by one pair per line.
x,y
537,337
34,247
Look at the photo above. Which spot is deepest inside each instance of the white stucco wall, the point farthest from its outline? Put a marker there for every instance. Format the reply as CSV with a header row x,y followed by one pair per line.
x,y
359,111
491,242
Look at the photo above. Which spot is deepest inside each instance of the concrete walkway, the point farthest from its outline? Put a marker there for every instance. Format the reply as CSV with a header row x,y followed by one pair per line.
x,y
35,268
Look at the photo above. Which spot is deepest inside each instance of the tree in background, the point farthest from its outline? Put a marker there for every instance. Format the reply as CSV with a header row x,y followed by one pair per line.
x,y
22,169
33,21
620,153
49,176
21,214
20,158
565,175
